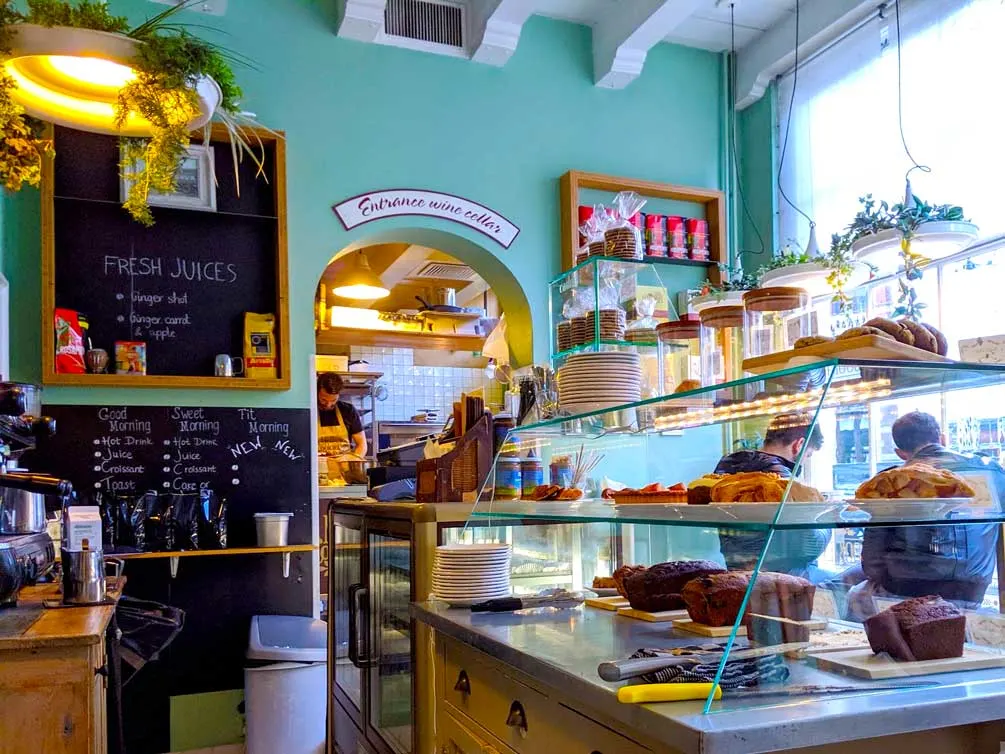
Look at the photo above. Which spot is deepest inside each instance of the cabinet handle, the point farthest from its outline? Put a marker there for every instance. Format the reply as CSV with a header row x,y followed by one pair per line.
x,y
463,684
103,670
517,717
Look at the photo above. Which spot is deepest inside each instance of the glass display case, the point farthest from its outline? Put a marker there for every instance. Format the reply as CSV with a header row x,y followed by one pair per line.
x,y
844,488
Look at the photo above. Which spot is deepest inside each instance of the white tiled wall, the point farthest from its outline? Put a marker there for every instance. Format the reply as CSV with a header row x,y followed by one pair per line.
x,y
417,388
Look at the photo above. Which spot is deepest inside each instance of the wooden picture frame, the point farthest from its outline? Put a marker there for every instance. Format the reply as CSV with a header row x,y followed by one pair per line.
x,y
277,184
714,201
195,192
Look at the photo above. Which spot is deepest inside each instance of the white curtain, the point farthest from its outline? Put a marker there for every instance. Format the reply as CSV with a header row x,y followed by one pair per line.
x,y
844,140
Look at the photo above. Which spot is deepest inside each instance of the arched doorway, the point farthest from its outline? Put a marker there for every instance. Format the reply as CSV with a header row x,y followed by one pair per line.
x,y
512,299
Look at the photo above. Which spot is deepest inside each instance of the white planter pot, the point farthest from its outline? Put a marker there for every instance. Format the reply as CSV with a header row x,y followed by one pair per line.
x,y
727,298
812,278
934,240
59,94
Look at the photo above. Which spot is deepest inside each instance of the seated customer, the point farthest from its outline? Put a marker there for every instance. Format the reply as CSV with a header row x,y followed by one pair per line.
x,y
954,562
796,551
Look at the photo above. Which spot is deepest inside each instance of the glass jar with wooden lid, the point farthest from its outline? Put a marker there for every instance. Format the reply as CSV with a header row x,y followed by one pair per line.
x,y
721,344
679,349
774,319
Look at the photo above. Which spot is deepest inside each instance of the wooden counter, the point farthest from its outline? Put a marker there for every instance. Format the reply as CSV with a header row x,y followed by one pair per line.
x,y
53,679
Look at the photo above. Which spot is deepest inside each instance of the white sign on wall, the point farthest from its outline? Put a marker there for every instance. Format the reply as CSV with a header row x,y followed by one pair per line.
x,y
376,205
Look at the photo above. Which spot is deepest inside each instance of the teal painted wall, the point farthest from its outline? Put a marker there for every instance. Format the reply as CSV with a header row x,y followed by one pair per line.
x,y
756,136
360,117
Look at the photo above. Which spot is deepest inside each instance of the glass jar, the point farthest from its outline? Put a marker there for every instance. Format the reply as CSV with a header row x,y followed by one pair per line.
x,y
508,482
680,354
774,319
721,344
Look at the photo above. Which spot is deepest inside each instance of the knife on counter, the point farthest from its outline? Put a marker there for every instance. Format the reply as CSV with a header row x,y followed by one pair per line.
x,y
646,693
509,604
622,670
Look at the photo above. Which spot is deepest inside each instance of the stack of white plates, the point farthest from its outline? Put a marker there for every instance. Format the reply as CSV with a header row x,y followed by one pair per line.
x,y
464,575
594,381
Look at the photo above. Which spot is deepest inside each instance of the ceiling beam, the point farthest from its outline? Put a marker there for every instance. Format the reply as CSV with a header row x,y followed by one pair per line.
x,y
623,38
496,27
362,20
771,54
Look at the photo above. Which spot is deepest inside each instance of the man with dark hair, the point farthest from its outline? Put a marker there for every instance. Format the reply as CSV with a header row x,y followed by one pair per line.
x,y
339,421
793,552
954,562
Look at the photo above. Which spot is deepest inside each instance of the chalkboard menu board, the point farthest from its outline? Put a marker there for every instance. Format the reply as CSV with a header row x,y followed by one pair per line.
x,y
181,286
257,458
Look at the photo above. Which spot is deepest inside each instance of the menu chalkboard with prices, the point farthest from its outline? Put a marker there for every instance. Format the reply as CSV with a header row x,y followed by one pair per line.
x,y
256,458
182,286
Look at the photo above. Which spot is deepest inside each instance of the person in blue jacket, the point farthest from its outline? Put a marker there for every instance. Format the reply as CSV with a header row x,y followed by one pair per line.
x,y
794,551
954,562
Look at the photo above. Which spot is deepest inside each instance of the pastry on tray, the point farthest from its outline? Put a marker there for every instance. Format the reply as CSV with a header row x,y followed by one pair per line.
x,y
604,582
856,332
812,340
941,344
749,487
895,329
651,493
714,600
554,492
923,337
922,628
659,587
699,492
915,480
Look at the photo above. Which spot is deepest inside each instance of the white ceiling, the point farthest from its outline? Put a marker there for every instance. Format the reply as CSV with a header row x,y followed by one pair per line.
x,y
707,27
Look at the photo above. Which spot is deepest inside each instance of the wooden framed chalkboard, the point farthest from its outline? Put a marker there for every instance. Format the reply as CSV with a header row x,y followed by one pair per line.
x,y
181,286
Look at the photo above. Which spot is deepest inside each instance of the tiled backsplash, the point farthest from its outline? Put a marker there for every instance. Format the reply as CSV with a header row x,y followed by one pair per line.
x,y
416,388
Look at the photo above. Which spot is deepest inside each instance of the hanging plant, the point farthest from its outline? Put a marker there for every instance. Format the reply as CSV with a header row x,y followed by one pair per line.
x,y
835,268
730,279
168,64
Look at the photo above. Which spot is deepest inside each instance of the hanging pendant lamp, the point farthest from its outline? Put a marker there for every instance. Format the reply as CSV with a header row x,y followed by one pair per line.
x,y
360,282
72,77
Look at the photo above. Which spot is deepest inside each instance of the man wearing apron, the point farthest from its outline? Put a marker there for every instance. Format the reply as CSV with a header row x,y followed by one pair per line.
x,y
340,428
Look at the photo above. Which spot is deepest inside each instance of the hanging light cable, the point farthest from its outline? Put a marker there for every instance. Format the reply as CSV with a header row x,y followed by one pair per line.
x,y
812,249
908,193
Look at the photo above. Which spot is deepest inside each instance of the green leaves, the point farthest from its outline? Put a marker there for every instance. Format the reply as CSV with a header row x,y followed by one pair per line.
x,y
85,14
907,303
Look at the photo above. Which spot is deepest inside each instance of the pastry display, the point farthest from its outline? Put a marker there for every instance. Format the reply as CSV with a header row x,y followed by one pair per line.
x,y
803,493
604,582
687,385
749,487
659,587
894,329
812,340
915,480
714,599
941,344
923,338
699,492
554,492
922,628
856,332
651,493
622,573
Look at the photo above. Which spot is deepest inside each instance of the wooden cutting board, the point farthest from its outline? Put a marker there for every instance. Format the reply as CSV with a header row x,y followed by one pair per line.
x,y
862,347
662,617
608,603
862,663
688,625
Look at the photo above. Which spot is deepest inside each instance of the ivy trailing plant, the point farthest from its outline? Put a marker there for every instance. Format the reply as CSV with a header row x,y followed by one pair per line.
x,y
837,261
169,62
730,279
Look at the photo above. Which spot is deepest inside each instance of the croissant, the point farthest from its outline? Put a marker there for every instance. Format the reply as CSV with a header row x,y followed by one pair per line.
x,y
914,481
749,487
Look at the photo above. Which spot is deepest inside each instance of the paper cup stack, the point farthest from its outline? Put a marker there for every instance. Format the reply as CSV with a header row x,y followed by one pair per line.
x,y
466,574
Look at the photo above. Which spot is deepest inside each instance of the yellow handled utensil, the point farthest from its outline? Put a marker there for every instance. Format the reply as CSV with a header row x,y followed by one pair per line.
x,y
666,692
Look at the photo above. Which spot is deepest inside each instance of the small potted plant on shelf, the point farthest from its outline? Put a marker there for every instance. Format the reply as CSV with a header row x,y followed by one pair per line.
x,y
734,282
834,272
177,83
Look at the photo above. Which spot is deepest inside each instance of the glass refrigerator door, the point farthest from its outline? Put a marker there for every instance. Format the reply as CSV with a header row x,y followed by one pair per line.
x,y
390,650
345,559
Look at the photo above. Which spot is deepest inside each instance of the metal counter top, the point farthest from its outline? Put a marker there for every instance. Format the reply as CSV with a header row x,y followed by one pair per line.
x,y
562,649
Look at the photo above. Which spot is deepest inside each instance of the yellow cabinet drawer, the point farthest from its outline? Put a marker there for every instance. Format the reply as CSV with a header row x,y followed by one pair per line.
x,y
569,732
511,711
454,737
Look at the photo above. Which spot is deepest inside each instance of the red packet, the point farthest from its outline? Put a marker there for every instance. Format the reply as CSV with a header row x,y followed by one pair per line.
x,y
656,235
70,327
697,238
676,237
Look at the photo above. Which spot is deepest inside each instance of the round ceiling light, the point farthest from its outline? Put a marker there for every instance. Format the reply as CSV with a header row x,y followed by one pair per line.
x,y
72,77
932,240
360,282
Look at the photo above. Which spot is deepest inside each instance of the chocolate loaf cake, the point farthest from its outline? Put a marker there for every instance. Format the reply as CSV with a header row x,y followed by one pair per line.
x,y
921,628
622,573
714,600
659,587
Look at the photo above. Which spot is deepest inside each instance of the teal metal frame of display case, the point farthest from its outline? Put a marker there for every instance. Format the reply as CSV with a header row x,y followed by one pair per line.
x,y
807,391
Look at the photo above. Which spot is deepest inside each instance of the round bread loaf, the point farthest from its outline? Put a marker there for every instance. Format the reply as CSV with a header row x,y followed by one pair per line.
x,y
812,340
855,332
923,339
890,327
941,343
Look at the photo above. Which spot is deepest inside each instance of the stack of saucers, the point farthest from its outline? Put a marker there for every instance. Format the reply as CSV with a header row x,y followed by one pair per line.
x,y
464,575
594,381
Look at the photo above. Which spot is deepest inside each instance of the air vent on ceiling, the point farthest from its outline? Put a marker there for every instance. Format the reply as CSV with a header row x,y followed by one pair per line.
x,y
443,271
429,21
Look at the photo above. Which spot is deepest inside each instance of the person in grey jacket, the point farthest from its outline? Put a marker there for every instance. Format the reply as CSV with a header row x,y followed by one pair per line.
x,y
954,562
794,551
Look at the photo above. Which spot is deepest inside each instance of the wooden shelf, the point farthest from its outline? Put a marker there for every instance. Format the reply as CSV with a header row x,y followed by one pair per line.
x,y
713,200
210,553
353,336
463,316
166,381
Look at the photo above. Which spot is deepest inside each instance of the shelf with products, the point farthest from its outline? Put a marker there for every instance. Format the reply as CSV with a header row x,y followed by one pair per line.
x,y
820,521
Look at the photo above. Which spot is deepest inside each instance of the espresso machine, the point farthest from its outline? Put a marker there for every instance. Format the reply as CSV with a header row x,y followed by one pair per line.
x,y
27,552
